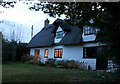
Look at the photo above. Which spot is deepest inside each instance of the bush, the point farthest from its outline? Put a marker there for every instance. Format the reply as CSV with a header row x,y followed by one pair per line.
x,y
32,60
41,64
21,50
82,66
50,62
8,51
27,58
72,64
13,51
61,64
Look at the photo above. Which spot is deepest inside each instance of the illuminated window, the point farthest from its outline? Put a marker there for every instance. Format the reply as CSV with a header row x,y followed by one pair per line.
x,y
58,53
37,53
46,53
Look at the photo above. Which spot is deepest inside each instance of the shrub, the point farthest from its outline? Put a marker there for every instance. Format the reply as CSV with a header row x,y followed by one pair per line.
x,y
13,51
27,58
50,62
61,64
36,60
41,64
8,51
72,64
82,66
21,50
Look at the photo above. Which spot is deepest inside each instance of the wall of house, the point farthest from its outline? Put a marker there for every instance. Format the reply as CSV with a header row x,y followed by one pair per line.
x,y
91,37
42,51
71,52
32,51
76,53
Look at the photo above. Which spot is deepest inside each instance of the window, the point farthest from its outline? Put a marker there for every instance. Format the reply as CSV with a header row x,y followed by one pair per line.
x,y
37,53
89,52
59,34
58,53
89,30
46,53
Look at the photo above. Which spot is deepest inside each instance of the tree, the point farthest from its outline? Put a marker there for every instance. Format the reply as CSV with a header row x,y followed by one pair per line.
x,y
7,4
113,29
8,51
14,31
15,35
79,12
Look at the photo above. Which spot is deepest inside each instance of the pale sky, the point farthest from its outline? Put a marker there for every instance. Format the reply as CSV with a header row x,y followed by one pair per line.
x,y
20,14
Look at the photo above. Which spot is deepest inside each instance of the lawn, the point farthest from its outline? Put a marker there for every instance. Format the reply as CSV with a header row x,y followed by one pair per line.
x,y
21,72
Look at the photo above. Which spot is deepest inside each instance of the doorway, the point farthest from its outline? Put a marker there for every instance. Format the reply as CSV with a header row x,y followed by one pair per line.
x,y
101,59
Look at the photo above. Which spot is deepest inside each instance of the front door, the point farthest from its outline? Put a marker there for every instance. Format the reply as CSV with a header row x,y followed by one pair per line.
x,y
101,60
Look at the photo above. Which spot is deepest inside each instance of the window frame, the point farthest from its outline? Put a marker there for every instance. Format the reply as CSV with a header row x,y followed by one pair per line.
x,y
35,52
58,37
89,30
46,51
85,55
60,52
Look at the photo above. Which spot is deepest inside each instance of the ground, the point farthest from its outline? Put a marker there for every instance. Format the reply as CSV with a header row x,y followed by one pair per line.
x,y
21,72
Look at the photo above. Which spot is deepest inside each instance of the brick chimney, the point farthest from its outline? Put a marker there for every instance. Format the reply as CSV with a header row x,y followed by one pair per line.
x,y
46,23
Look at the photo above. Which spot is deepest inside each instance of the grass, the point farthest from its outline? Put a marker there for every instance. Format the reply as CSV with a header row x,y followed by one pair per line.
x,y
21,72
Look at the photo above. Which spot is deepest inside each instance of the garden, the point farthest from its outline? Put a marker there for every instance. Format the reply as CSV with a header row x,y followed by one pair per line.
x,y
19,72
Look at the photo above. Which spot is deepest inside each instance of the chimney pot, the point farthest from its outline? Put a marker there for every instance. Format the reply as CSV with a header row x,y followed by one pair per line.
x,y
46,23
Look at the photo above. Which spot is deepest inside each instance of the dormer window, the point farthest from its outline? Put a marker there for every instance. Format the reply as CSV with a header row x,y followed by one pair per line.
x,y
59,34
88,30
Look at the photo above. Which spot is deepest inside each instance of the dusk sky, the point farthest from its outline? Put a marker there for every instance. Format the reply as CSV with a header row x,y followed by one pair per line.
x,y
23,18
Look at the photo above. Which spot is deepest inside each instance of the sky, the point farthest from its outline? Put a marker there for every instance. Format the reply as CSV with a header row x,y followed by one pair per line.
x,y
23,18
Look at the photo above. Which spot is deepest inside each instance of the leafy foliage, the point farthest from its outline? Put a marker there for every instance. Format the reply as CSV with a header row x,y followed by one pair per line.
x,y
76,13
61,63
8,51
50,62
21,50
7,4
12,51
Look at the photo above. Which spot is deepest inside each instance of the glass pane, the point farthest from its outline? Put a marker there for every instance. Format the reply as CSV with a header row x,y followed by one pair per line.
x,y
60,53
36,52
59,34
56,52
46,52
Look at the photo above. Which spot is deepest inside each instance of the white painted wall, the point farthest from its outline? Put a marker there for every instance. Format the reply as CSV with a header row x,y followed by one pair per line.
x,y
76,53
42,50
32,51
88,37
73,52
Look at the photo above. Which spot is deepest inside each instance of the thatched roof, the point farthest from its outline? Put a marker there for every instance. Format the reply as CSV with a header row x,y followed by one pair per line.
x,y
46,36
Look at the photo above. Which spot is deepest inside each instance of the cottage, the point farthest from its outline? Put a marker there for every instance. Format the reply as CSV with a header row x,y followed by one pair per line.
x,y
65,42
